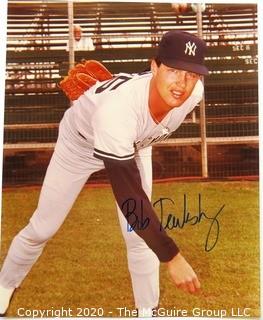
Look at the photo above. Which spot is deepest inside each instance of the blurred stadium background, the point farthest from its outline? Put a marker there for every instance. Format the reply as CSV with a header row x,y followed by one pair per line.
x,y
125,35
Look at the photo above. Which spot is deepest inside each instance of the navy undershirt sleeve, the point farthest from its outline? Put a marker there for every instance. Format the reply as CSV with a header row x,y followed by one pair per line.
x,y
127,188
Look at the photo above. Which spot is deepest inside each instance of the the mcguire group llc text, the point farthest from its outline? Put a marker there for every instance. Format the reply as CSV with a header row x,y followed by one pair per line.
x,y
126,312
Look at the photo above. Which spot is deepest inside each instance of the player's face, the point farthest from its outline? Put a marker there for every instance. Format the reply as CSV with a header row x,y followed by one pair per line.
x,y
173,85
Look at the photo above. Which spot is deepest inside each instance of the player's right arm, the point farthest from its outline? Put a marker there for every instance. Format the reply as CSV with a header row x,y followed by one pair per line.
x,y
126,184
113,144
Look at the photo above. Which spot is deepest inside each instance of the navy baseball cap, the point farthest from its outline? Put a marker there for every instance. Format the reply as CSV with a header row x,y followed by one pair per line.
x,y
182,50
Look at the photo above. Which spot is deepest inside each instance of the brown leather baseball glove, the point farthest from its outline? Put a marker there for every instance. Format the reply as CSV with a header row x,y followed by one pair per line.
x,y
82,77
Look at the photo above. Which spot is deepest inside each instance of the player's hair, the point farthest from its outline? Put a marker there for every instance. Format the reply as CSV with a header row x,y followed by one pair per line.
x,y
157,61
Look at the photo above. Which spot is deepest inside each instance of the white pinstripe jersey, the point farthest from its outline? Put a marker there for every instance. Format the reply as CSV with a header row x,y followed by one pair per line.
x,y
114,116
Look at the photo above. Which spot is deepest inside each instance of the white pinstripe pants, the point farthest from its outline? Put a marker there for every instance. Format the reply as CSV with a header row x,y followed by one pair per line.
x,y
71,165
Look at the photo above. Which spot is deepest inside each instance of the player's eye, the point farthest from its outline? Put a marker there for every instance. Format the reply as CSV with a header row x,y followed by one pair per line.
x,y
192,75
175,71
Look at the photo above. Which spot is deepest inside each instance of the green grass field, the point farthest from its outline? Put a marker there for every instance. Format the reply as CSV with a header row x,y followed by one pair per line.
x,y
84,265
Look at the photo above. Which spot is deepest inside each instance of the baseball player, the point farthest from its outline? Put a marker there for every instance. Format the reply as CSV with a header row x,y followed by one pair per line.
x,y
113,125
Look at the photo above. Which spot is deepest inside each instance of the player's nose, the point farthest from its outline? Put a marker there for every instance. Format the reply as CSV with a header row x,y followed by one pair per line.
x,y
181,78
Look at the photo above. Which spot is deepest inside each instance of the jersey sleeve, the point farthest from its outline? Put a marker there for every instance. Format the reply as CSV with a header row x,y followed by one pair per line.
x,y
137,209
114,129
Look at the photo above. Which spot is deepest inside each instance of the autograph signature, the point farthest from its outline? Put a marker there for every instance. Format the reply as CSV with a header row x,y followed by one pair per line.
x,y
171,221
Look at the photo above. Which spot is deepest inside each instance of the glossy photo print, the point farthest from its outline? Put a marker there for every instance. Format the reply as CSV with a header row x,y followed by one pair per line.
x,y
130,181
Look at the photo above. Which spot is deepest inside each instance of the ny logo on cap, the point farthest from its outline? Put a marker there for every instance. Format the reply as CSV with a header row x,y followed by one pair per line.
x,y
190,48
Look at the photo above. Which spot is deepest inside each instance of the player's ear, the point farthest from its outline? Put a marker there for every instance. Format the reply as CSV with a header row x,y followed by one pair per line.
x,y
154,67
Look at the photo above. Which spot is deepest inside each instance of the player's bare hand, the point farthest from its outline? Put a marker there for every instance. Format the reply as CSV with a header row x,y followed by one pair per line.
x,y
183,275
